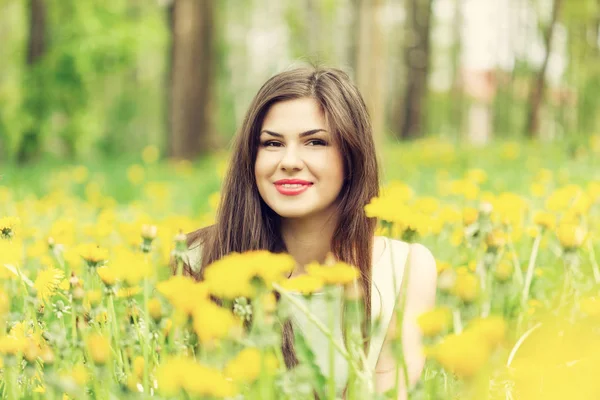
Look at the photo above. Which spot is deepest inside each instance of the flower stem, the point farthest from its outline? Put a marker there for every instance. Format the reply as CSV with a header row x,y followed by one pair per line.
x,y
146,344
331,378
115,328
593,261
530,270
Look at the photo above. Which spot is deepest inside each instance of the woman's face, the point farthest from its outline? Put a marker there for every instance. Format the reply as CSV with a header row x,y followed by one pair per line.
x,y
299,169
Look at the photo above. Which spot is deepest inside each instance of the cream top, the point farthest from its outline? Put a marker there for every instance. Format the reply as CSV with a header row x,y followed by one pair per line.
x,y
386,281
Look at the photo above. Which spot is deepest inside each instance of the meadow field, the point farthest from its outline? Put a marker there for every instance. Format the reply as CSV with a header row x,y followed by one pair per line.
x,y
89,307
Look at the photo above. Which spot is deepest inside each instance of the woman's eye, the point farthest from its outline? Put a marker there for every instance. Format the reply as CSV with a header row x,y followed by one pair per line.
x,y
317,142
271,143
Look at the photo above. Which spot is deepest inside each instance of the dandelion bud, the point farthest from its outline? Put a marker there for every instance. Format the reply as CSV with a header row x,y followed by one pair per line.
x,y
486,208
148,236
78,293
149,231
181,241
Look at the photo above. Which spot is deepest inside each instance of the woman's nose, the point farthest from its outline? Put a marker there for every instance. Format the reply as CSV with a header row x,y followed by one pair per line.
x,y
290,159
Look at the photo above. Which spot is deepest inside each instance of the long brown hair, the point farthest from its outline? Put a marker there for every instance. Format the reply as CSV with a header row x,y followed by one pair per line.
x,y
244,221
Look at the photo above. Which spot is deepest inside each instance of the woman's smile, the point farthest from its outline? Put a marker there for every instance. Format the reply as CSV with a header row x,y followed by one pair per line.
x,y
292,187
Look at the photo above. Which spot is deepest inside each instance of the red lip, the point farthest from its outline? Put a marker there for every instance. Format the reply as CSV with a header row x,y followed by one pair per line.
x,y
288,191
292,182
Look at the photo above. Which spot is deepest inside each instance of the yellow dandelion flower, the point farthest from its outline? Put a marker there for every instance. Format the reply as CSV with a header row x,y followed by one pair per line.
x,y
464,354
150,154
80,374
135,174
47,283
212,322
305,284
155,309
93,254
545,219
245,367
93,297
339,273
131,267
466,287
11,253
183,293
469,215
108,275
503,271
98,347
127,292
10,345
4,303
476,175
571,236
493,329
138,367
435,322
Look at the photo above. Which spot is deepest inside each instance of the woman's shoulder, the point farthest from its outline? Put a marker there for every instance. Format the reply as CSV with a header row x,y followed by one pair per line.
x,y
402,255
193,255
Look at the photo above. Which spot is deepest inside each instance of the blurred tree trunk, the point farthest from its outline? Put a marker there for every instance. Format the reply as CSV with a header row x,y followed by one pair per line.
x,y
370,62
539,81
416,57
191,74
456,105
30,144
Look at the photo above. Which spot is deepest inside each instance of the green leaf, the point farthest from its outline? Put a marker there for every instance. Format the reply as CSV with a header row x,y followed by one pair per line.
x,y
307,357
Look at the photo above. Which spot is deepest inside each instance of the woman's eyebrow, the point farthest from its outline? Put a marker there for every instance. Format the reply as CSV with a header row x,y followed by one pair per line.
x,y
303,134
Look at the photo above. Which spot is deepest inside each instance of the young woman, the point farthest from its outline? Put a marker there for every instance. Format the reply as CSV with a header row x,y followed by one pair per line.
x,y
303,168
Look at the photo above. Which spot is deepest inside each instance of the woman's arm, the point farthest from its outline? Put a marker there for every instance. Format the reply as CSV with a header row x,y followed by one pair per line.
x,y
420,297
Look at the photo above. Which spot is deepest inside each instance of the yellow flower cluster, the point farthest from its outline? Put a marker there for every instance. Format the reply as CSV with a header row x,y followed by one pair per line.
x,y
185,374
235,275
466,353
317,276
246,366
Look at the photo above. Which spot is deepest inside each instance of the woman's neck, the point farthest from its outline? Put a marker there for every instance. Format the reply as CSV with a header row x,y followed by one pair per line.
x,y
308,240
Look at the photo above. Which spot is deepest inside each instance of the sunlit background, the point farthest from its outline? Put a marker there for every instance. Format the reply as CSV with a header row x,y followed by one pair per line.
x,y
82,79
